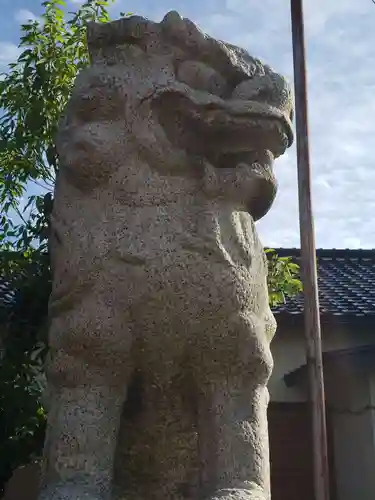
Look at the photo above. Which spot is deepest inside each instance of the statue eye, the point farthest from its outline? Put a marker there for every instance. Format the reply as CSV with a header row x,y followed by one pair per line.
x,y
96,105
199,76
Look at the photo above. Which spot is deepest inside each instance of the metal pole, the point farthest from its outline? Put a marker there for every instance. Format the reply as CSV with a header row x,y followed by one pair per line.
x,y
308,261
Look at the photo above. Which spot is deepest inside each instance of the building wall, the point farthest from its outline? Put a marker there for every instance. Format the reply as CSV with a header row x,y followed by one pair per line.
x,y
350,401
288,349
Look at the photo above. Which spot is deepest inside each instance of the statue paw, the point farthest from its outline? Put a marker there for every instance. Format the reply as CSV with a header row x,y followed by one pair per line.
x,y
239,494
72,492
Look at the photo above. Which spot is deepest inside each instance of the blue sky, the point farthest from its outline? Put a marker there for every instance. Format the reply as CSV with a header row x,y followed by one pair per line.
x,y
341,77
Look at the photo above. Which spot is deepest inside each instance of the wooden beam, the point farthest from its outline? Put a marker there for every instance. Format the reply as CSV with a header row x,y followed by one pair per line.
x,y
308,260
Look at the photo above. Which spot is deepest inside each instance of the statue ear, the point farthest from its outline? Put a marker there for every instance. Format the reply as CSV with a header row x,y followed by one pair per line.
x,y
129,30
200,76
124,30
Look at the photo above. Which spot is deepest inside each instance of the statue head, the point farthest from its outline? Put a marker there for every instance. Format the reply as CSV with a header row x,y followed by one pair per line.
x,y
187,104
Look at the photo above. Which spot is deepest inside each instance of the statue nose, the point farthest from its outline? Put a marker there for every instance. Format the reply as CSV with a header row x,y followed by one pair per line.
x,y
269,88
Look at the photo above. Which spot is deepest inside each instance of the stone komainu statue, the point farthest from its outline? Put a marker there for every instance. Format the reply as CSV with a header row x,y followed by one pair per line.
x,y
160,323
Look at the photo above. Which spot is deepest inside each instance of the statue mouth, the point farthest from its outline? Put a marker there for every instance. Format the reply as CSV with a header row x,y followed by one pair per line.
x,y
249,158
248,121
246,139
227,132
253,138
256,165
239,138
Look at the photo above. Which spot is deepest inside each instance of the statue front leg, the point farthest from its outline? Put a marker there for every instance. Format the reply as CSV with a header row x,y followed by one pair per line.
x,y
234,443
233,430
88,374
80,442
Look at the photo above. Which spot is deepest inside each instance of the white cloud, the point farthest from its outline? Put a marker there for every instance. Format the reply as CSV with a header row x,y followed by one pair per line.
x,y
25,15
8,53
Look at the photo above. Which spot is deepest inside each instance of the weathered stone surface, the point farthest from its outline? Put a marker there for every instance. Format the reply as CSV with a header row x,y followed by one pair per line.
x,y
160,324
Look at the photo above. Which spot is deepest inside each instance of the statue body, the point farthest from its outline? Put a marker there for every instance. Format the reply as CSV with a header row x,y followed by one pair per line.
x,y
160,323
